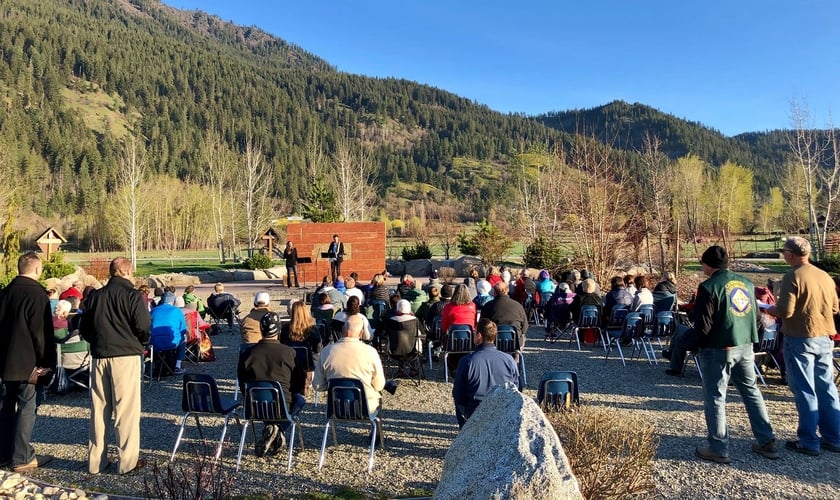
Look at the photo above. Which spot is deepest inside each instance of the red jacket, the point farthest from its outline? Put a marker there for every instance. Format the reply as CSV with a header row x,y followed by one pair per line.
x,y
455,314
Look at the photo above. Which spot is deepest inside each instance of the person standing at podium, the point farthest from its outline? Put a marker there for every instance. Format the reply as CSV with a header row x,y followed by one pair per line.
x,y
291,256
336,256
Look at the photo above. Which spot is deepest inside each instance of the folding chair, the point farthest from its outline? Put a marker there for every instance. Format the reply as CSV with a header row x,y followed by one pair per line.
x,y
631,330
404,343
227,315
193,351
346,401
73,356
459,340
507,340
431,344
663,327
589,319
159,363
265,402
558,390
640,341
200,396
765,347
614,324
531,309
376,310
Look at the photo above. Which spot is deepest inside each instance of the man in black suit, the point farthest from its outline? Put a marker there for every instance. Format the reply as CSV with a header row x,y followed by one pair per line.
x,y
336,255
27,351
269,360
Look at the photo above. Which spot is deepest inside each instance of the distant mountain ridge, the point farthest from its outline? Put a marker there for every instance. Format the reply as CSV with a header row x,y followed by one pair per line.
x,y
75,74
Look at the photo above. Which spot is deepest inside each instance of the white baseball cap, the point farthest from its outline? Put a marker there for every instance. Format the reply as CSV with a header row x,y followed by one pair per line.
x,y
262,298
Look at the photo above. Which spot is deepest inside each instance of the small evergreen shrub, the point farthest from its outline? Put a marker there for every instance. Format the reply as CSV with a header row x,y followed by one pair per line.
x,y
543,253
55,267
419,251
830,263
610,450
258,261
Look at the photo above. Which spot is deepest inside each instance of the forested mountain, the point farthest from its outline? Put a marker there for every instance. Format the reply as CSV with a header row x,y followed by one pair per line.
x,y
625,125
77,75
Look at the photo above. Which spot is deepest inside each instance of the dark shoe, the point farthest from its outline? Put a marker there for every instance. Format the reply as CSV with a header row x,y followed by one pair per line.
x,y
798,448
391,386
178,371
767,450
34,464
833,448
141,463
666,354
673,373
708,454
279,443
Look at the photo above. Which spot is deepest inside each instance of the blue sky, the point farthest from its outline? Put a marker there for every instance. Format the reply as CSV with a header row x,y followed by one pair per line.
x,y
734,65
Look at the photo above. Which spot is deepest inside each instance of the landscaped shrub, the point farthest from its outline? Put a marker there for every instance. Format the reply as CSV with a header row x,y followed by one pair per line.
x,y
487,242
830,263
610,450
55,267
543,253
419,251
258,261
196,476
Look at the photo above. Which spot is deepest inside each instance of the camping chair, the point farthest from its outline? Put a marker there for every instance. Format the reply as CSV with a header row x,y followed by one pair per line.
x,y
631,330
73,357
459,340
376,309
346,401
766,347
227,314
200,396
590,319
265,402
193,351
403,346
531,309
507,340
430,346
159,363
558,390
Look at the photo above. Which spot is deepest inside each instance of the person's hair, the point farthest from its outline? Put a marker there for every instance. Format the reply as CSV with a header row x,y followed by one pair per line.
x,y
87,290
335,236
407,278
393,299
628,279
218,288
62,307
144,289
461,295
324,299
189,289
301,322
289,243
170,289
353,305
434,292
501,288
74,302
354,275
589,285
640,281
28,263
494,271
474,273
378,280
616,282
487,329
51,291
482,286
158,291
120,267
798,246
354,324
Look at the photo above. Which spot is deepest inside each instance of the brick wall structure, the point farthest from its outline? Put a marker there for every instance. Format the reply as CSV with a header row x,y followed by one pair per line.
x,y
364,248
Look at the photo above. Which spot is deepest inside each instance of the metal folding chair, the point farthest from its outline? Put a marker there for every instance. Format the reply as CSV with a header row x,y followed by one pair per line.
x,y
346,401
507,340
265,402
200,396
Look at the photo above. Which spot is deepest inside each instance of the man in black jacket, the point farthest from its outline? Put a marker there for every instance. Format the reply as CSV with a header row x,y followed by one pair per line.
x,y
116,323
503,310
27,351
336,255
270,360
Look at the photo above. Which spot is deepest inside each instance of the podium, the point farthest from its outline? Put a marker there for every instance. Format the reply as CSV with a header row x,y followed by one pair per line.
x,y
304,260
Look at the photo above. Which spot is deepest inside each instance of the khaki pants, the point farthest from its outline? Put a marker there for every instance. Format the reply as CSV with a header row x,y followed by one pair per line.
x,y
115,391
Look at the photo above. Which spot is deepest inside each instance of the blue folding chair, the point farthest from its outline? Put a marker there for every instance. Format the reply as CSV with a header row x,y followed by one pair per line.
x,y
589,319
507,340
459,340
265,401
632,330
346,401
200,396
558,390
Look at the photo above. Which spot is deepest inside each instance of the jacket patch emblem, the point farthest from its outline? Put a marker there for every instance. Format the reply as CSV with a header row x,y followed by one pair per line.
x,y
740,300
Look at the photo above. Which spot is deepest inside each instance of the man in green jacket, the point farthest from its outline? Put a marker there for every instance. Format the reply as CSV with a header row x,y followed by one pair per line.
x,y
725,322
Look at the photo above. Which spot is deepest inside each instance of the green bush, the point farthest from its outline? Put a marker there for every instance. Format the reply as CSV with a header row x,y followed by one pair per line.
x,y
610,450
487,242
55,267
419,251
258,261
830,263
543,253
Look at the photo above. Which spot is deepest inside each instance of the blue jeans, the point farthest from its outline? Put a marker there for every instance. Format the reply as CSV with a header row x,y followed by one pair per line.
x,y
719,366
17,418
810,375
290,270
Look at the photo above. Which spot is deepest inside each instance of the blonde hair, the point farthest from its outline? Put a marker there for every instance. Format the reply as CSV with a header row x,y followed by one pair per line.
x,y
301,322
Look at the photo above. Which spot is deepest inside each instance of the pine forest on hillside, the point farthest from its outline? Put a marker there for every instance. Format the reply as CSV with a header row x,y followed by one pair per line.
x,y
207,131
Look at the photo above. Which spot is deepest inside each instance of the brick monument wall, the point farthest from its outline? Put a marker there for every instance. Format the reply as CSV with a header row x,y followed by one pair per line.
x,y
364,247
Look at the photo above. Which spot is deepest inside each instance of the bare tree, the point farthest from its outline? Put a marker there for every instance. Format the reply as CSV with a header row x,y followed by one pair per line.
x,y
443,217
352,181
216,176
656,195
255,180
130,200
809,152
541,192
598,203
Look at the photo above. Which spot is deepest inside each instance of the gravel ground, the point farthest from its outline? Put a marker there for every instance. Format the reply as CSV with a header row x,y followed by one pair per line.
x,y
420,425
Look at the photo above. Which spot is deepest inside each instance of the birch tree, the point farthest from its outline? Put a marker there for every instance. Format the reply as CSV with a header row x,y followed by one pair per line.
x,y
129,201
256,178
657,198
352,181
216,176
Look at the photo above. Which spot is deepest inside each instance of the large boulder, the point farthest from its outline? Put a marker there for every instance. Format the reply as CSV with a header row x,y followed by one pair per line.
x,y
464,264
507,449
395,267
418,267
178,280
